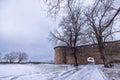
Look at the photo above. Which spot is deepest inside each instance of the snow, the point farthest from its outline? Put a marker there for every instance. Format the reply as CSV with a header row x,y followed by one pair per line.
x,y
112,73
89,72
50,72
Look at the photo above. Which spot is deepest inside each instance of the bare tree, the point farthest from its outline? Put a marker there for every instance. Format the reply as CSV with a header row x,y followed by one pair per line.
x,y
22,56
71,27
100,21
101,17
55,6
10,57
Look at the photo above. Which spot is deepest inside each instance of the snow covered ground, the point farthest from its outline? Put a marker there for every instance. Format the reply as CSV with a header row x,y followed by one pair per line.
x,y
112,73
50,72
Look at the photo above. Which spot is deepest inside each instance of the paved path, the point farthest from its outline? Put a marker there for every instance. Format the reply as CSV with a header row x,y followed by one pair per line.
x,y
89,72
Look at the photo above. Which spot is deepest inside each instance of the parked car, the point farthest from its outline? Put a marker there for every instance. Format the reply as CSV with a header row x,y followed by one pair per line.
x,y
90,60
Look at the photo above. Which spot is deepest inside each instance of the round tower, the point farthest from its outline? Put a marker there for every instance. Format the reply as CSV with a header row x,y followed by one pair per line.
x,y
60,53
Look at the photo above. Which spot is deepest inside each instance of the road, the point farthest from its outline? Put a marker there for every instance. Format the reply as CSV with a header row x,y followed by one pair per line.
x,y
89,72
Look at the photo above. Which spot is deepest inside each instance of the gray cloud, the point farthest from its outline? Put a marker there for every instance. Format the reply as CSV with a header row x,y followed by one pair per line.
x,y
25,27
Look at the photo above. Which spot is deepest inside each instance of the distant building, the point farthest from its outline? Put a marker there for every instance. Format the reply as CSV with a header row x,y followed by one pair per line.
x,y
64,54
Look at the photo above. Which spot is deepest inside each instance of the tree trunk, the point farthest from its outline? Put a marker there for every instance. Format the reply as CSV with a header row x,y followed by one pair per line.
x,y
18,61
10,61
75,56
102,52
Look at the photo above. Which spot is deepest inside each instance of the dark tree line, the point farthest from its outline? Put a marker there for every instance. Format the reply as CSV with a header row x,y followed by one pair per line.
x,y
92,24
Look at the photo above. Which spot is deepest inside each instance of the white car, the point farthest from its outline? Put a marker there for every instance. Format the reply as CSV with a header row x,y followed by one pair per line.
x,y
90,60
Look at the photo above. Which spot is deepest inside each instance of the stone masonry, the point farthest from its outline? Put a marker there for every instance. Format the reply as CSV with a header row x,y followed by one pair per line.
x,y
64,54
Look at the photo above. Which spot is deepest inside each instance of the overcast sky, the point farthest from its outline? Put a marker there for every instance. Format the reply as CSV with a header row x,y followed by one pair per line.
x,y
24,26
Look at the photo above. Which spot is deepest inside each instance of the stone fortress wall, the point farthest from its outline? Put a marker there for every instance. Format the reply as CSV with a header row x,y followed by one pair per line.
x,y
64,54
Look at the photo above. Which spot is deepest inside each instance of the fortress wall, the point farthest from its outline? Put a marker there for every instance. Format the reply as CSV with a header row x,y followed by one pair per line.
x,y
64,55
70,57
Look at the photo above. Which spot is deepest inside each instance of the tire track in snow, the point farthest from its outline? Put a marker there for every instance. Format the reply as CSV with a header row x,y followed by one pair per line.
x,y
89,72
64,75
16,77
5,77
